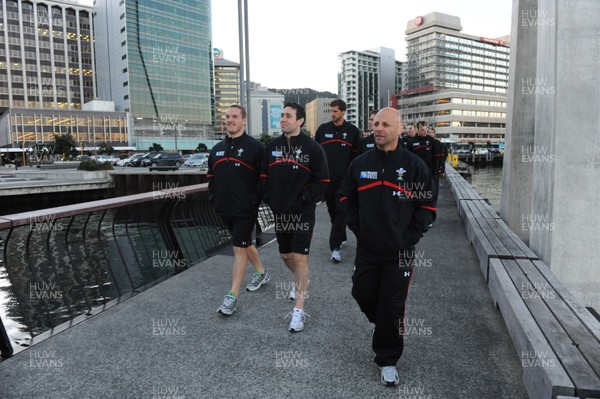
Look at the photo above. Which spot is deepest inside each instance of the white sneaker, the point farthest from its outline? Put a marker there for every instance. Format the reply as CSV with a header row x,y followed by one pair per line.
x,y
336,256
298,319
389,376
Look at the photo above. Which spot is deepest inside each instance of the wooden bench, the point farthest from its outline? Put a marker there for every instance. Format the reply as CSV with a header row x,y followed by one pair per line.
x,y
492,238
556,338
478,209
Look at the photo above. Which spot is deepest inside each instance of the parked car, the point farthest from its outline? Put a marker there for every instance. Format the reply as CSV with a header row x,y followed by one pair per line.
x,y
199,160
126,161
101,158
83,158
163,159
138,161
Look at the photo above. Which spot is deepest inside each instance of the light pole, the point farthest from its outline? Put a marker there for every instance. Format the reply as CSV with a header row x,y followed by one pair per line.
x,y
175,128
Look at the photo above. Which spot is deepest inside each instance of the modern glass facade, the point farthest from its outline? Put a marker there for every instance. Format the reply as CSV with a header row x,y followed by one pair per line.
x,y
46,55
159,67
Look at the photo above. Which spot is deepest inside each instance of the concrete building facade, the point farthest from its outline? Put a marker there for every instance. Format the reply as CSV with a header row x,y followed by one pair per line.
x,y
46,54
155,61
473,68
368,80
266,107
317,113
227,92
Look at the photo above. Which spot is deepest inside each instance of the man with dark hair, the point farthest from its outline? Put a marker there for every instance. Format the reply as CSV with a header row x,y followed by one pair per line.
x,y
439,153
368,142
341,141
296,176
410,133
388,198
233,183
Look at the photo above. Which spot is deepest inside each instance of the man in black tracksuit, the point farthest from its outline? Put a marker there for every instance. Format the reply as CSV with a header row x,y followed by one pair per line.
x,y
439,153
368,142
296,176
388,198
340,140
233,183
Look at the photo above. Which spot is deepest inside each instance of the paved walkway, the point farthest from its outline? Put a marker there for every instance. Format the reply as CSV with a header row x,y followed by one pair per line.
x,y
168,342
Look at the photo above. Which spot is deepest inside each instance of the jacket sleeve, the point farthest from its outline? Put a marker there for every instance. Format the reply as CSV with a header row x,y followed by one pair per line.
x,y
425,204
438,156
315,191
356,144
263,180
348,200
258,192
210,174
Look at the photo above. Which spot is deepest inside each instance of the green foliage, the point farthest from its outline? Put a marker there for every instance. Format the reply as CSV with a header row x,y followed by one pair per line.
x,y
156,147
264,138
201,147
65,145
105,149
91,165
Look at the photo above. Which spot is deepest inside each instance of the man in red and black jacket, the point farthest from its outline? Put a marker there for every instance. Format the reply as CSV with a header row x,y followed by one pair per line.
x,y
341,141
296,176
235,191
389,200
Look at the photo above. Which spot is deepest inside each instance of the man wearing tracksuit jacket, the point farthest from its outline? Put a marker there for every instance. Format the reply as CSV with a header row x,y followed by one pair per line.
x,y
341,141
296,176
233,183
389,200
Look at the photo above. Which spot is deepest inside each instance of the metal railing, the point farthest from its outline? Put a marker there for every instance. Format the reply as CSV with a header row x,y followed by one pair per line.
x,y
62,265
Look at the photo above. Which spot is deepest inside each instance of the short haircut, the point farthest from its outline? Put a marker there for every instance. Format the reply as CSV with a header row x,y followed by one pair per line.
x,y
242,109
339,103
421,124
432,129
300,113
374,112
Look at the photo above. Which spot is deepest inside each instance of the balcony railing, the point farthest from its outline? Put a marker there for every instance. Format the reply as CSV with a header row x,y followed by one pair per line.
x,y
63,265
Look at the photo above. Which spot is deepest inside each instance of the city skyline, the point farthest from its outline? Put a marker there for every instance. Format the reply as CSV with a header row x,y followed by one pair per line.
x,y
319,35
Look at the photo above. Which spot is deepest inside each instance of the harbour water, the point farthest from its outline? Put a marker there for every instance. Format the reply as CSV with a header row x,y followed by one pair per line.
x,y
487,180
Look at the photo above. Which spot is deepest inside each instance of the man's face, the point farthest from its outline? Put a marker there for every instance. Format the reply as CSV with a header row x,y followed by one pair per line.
x,y
235,121
371,120
337,116
386,129
422,130
411,131
289,124
430,133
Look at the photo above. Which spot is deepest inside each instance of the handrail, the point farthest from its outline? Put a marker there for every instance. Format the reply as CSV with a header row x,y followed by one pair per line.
x,y
67,263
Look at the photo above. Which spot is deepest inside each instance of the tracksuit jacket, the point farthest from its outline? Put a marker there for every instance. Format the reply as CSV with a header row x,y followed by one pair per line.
x,y
389,199
233,176
428,149
295,175
341,144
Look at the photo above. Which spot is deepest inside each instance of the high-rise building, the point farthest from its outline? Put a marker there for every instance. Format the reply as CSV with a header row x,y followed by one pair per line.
x,y
368,80
154,60
455,81
46,54
227,91
317,112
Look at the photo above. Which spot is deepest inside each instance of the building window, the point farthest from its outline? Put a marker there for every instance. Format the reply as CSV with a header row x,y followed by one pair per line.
x,y
125,84
124,56
122,16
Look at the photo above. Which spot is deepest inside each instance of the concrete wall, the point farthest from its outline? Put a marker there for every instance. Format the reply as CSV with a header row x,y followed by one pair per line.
x,y
559,171
517,175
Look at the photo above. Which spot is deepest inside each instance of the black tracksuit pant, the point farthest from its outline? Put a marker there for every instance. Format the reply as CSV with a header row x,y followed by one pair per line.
x,y
338,220
380,287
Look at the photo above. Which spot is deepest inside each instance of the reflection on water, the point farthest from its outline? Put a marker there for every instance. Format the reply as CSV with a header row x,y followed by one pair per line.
x,y
487,180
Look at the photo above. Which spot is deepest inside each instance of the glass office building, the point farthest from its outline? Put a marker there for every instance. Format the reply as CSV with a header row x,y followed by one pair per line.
x,y
155,62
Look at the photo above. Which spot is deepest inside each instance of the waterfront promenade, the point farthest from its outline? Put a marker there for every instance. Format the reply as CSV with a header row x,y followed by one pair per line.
x,y
168,341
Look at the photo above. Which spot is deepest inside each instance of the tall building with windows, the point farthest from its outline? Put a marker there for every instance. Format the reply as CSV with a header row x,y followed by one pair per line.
x,y
368,80
46,54
227,91
455,81
155,61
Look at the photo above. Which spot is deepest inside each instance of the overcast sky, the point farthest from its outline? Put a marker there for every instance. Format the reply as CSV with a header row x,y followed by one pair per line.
x,y
295,44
